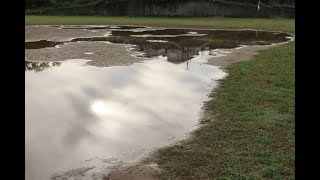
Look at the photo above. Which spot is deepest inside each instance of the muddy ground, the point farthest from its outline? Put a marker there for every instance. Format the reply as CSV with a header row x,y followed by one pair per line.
x,y
105,54
146,169
36,33
102,54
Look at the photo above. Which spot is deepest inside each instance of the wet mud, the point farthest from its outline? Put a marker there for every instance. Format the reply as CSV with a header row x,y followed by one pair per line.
x,y
94,92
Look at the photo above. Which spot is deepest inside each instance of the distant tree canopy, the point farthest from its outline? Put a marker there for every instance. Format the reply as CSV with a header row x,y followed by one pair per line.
x,y
269,2
32,4
56,3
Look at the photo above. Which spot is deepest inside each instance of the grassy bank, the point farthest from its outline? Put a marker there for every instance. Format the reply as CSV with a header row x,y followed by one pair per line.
x,y
252,135
205,22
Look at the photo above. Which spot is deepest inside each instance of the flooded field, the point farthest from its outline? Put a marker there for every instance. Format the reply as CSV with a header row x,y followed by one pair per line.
x,y
98,97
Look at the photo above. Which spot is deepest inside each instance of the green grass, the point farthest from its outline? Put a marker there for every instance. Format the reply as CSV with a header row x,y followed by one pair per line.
x,y
252,135
204,22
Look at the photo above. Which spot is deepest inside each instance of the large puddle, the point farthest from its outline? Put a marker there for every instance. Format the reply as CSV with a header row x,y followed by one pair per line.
x,y
178,45
83,120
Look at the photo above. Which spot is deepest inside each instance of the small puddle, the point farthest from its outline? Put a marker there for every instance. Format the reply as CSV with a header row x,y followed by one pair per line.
x,y
101,27
83,120
40,44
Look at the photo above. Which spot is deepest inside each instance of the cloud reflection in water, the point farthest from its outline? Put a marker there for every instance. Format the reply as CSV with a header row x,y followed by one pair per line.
x,y
75,112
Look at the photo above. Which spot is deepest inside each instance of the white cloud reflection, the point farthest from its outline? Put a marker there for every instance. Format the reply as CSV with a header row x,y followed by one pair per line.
x,y
76,112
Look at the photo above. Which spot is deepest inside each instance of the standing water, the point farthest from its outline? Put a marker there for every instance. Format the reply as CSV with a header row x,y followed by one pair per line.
x,y
84,120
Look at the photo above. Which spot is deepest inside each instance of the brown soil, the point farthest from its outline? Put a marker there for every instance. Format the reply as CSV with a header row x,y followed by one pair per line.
x,y
137,172
237,55
108,55
36,33
102,54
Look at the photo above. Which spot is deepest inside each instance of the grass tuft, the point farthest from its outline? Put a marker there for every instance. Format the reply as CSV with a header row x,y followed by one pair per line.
x,y
253,136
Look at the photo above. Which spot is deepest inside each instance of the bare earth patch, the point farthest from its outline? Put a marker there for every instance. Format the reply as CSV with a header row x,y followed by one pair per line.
x,y
137,172
36,33
102,54
237,55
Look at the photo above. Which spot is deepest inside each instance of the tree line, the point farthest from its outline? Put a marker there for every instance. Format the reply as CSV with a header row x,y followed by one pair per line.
x,y
32,4
29,4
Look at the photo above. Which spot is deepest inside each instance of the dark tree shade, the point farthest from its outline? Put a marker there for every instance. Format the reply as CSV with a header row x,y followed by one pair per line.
x,y
30,4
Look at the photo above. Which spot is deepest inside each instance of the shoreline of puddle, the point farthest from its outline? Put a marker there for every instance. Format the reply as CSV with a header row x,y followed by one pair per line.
x,y
145,166
87,171
82,62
